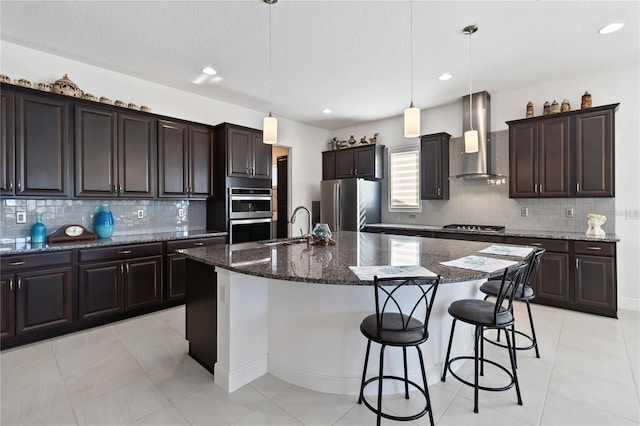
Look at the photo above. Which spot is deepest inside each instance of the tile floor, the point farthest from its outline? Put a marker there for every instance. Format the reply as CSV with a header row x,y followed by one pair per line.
x,y
137,372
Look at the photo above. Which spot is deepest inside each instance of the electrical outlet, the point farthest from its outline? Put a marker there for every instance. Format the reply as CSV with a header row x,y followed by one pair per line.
x,y
524,211
140,214
568,212
21,217
180,212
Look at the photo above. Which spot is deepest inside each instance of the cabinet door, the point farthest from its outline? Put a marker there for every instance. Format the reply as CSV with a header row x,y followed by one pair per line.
x,y
239,156
136,156
95,152
200,162
552,280
328,165
173,161
554,157
262,161
43,299
344,164
434,167
595,283
42,153
364,162
7,143
176,276
7,306
523,160
100,289
143,282
594,150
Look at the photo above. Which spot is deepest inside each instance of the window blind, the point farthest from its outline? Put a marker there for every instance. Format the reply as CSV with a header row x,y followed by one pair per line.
x,y
403,180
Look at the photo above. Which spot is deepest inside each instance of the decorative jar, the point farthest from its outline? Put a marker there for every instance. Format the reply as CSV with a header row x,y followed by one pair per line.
x,y
38,231
103,221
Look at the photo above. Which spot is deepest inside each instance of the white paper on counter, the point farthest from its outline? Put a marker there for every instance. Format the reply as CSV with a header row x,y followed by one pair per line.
x,y
366,273
480,263
507,250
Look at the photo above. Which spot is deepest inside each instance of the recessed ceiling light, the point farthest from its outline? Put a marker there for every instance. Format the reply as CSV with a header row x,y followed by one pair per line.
x,y
445,76
209,71
327,111
607,29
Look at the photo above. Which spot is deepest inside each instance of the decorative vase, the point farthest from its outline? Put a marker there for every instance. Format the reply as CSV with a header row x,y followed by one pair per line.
x,y
38,231
586,100
594,222
104,221
322,231
529,109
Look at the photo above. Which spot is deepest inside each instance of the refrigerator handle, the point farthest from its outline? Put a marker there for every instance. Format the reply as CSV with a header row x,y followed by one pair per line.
x,y
336,205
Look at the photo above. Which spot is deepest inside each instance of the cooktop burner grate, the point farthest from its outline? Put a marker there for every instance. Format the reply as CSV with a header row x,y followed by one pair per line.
x,y
485,228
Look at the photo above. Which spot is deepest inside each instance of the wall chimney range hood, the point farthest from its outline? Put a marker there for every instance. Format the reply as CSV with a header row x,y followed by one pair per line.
x,y
478,165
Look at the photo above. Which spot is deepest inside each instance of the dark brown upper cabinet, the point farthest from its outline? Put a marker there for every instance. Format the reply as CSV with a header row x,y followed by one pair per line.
x,y
42,162
115,153
568,154
185,160
434,166
247,156
7,143
362,162
594,154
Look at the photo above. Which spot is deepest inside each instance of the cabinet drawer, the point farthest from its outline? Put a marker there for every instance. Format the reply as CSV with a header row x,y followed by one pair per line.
x,y
120,252
550,245
30,261
595,249
191,243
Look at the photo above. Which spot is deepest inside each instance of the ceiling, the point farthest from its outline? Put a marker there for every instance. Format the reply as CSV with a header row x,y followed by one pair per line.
x,y
350,56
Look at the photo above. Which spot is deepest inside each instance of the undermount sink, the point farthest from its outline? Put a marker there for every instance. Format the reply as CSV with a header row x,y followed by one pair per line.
x,y
290,241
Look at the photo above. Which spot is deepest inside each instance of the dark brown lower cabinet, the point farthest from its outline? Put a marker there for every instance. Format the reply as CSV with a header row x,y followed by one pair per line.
x,y
118,279
37,293
595,277
552,280
201,309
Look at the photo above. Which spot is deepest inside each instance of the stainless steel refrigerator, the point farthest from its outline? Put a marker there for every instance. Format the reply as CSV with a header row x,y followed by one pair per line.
x,y
349,204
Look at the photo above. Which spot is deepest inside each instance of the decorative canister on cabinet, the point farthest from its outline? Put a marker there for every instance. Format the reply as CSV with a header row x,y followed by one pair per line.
x,y
586,100
530,109
566,106
65,86
555,107
103,221
546,108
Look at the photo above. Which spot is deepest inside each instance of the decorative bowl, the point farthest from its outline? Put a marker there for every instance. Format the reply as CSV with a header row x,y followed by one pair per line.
x,y
65,86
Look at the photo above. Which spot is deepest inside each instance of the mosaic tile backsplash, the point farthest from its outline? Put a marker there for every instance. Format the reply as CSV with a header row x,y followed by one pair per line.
x,y
479,203
158,215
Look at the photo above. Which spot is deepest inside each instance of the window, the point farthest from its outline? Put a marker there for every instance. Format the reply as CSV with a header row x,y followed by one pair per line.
x,y
404,179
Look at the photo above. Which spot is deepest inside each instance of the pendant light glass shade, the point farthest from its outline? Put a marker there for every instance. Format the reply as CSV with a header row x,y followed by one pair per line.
x,y
412,122
471,141
270,130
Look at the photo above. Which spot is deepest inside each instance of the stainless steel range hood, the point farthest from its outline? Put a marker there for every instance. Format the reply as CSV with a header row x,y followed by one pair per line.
x,y
478,165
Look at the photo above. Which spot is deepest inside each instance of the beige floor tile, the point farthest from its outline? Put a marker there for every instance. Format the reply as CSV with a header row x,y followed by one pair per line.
x,y
35,403
17,357
83,339
460,412
182,379
584,341
267,414
73,362
162,356
594,325
594,363
65,417
166,416
18,380
210,405
559,410
122,405
269,385
311,407
360,415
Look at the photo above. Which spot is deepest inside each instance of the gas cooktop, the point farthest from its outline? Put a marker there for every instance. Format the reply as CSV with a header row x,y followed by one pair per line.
x,y
484,228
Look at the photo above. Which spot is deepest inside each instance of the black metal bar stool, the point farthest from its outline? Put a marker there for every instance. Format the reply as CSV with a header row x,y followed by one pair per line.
x,y
483,314
399,301
524,293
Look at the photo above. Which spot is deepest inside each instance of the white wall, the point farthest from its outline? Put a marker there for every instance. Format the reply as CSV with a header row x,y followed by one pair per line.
x,y
306,142
620,85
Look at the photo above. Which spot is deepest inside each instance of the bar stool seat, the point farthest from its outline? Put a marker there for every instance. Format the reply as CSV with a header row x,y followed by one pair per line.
x,y
483,315
398,303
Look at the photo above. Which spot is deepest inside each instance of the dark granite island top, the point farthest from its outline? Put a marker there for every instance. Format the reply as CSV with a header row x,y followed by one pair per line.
x,y
330,264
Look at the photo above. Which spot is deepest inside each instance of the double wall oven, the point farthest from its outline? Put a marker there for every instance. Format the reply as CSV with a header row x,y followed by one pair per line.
x,y
249,214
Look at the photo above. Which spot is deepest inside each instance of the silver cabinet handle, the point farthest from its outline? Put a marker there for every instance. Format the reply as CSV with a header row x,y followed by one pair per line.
x,y
593,248
11,284
577,263
17,263
198,244
355,172
120,191
124,251
19,282
578,187
122,268
438,191
540,187
127,269
10,184
535,188
19,185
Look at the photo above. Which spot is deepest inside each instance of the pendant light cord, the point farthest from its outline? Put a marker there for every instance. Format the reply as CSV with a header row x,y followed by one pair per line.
x,y
411,46
470,91
270,98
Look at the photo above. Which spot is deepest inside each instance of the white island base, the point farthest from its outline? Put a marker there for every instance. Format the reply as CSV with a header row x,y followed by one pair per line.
x,y
308,334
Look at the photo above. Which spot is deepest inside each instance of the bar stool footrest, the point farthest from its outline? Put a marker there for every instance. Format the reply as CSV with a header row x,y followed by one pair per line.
x,y
487,388
390,416
520,348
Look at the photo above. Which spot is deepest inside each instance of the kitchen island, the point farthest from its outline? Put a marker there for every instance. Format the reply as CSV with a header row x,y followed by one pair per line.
x,y
294,310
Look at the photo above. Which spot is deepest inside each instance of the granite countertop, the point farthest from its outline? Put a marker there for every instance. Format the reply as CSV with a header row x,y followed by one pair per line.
x,y
330,264
20,245
509,232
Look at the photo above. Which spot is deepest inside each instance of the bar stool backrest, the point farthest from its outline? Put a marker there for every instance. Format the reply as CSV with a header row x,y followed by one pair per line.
x,y
405,296
534,263
508,289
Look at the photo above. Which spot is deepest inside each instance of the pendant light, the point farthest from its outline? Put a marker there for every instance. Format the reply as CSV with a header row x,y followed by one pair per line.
x,y
411,114
270,123
470,136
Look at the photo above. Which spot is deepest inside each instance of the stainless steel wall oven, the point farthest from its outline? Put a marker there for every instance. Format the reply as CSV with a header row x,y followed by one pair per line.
x,y
250,214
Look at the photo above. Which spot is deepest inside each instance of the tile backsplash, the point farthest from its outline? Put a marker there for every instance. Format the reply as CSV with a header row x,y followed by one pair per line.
x,y
158,215
477,202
